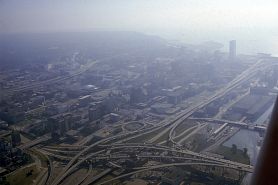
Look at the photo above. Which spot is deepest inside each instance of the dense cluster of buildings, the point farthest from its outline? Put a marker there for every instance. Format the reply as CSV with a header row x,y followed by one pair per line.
x,y
107,89
95,103
12,157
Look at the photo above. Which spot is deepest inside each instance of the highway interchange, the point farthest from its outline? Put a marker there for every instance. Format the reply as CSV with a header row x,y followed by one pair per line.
x,y
104,148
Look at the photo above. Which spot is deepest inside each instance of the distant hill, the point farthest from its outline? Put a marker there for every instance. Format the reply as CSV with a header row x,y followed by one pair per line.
x,y
21,49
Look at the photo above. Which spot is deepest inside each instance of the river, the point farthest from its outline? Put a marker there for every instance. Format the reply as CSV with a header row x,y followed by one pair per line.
x,y
249,139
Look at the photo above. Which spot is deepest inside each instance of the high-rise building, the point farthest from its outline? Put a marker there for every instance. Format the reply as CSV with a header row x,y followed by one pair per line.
x,y
232,50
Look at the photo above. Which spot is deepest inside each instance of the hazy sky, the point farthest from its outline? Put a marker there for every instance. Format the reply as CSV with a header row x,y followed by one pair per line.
x,y
189,19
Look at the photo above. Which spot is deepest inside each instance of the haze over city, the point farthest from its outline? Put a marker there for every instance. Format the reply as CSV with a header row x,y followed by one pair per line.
x,y
138,92
251,22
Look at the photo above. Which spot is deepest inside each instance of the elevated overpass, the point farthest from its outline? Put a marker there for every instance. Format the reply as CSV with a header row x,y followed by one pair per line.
x,y
35,142
258,128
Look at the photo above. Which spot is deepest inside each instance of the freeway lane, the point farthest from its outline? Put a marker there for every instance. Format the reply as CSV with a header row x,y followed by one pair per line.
x,y
50,81
172,121
186,152
247,74
66,173
35,142
192,133
164,166
57,79
70,166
